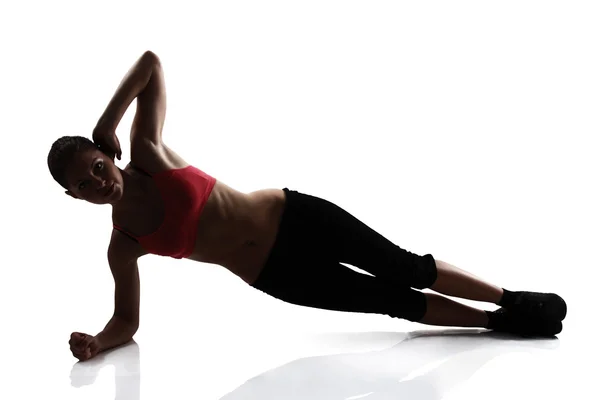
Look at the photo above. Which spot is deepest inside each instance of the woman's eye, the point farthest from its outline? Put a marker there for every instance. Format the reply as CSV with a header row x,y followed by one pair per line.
x,y
99,164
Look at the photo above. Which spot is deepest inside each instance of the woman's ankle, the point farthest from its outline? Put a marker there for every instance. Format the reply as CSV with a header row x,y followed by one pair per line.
x,y
442,311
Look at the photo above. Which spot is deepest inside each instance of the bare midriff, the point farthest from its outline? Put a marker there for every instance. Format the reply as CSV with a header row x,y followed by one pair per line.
x,y
238,230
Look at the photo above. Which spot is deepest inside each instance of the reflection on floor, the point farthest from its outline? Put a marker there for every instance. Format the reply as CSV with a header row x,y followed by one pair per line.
x,y
425,364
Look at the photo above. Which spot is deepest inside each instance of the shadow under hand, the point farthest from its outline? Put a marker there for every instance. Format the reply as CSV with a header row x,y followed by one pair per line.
x,y
402,371
125,359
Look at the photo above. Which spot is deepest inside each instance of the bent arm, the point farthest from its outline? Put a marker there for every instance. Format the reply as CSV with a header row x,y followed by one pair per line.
x,y
125,321
131,86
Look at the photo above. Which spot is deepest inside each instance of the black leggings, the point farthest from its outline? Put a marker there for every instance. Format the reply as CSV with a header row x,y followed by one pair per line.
x,y
304,268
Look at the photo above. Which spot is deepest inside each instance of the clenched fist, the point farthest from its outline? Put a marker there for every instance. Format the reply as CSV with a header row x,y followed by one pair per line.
x,y
84,346
105,137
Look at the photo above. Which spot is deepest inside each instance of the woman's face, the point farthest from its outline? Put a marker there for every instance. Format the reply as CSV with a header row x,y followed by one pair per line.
x,y
92,176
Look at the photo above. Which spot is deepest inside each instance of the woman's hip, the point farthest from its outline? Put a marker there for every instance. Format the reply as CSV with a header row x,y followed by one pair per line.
x,y
314,232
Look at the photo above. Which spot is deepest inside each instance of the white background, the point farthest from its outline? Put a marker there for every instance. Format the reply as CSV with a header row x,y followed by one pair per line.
x,y
464,129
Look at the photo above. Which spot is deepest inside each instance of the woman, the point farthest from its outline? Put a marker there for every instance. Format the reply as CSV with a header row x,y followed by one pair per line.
x,y
282,242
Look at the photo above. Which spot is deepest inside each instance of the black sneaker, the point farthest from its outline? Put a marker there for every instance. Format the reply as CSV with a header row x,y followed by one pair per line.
x,y
503,320
548,306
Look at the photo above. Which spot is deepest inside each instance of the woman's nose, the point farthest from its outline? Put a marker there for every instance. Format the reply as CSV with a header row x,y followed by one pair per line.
x,y
101,182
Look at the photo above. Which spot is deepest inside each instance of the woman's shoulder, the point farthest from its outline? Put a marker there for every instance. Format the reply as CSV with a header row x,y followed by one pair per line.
x,y
122,248
154,158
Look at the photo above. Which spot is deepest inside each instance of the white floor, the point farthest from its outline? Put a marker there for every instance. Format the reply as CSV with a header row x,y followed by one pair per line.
x,y
290,352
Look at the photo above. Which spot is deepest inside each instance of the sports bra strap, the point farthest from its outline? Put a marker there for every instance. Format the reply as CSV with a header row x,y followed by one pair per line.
x,y
124,232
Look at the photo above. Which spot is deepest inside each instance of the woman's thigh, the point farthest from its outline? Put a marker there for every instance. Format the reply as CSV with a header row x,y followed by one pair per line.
x,y
320,228
329,285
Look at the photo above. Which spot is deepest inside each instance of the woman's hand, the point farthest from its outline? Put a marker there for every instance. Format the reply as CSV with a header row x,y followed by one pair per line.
x,y
105,137
84,346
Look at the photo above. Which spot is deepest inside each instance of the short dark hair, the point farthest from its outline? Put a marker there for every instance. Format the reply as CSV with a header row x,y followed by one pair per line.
x,y
61,154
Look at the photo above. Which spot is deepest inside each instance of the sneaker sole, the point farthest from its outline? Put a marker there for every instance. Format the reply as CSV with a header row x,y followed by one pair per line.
x,y
550,329
527,326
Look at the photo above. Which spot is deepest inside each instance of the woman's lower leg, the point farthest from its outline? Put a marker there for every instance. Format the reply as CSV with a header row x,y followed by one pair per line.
x,y
445,312
453,281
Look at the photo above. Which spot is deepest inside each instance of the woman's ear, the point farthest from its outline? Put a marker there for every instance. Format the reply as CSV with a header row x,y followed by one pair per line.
x,y
71,194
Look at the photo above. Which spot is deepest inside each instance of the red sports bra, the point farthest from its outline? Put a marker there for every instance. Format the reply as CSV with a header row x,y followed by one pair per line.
x,y
184,192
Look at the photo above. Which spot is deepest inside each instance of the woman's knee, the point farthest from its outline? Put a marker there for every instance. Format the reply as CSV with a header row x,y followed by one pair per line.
x,y
425,272
409,304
